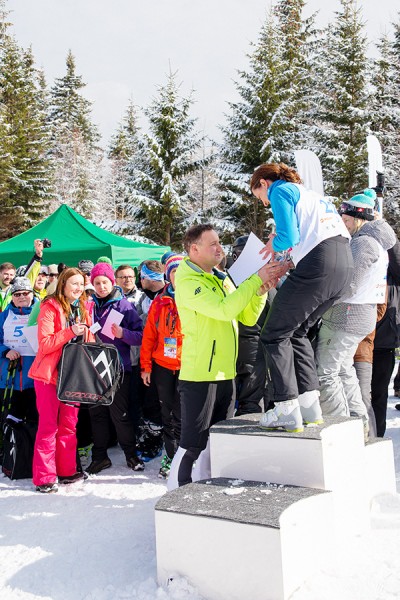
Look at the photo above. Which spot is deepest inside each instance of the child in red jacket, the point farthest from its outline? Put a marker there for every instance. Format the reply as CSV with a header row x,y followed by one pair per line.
x,y
160,359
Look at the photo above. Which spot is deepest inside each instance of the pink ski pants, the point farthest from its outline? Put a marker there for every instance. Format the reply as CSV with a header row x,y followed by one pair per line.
x,y
55,445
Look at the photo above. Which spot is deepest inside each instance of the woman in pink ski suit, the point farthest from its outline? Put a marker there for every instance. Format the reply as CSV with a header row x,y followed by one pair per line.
x,y
62,316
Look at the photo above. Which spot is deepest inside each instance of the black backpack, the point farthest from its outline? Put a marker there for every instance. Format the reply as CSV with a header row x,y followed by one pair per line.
x,y
88,373
18,442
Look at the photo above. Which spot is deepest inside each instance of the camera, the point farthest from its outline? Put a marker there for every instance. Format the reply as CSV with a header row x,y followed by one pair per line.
x,y
380,182
46,243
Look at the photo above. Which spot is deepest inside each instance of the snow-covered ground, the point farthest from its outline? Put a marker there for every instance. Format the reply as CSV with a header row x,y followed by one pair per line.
x,y
96,541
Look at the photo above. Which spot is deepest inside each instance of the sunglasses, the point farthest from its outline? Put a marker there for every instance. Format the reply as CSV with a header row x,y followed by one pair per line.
x,y
20,294
53,274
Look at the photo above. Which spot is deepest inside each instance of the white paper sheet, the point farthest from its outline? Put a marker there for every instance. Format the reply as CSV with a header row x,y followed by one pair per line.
x,y
113,317
249,261
31,334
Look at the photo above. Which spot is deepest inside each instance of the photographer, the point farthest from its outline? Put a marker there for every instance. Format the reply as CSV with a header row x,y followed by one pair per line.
x,y
36,272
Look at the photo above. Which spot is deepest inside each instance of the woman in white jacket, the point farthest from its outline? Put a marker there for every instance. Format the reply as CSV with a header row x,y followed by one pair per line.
x,y
345,324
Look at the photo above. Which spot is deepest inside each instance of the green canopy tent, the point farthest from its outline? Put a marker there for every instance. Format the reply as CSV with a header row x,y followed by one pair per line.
x,y
74,238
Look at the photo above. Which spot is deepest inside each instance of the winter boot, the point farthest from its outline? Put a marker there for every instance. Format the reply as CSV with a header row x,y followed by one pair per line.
x,y
135,463
165,467
78,476
84,454
285,415
150,441
47,488
98,465
202,466
310,408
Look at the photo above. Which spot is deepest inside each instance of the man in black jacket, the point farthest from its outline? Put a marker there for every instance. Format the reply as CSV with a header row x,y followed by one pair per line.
x,y
387,339
253,384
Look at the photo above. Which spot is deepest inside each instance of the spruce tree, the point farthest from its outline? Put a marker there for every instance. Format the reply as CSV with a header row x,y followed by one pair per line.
x,y
26,185
250,134
168,155
270,120
76,154
385,118
341,108
123,155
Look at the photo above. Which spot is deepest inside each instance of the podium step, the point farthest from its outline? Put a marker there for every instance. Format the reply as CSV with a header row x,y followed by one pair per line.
x,y
276,535
380,467
327,457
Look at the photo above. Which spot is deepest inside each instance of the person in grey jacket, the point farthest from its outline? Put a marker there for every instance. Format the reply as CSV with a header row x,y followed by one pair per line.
x,y
346,323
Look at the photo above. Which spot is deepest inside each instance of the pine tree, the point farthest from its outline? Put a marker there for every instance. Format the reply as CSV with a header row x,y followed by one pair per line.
x,y
26,184
123,158
76,154
167,158
385,118
69,110
342,104
270,121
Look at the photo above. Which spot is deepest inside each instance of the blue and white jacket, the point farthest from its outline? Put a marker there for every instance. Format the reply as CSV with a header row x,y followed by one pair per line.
x,y
303,219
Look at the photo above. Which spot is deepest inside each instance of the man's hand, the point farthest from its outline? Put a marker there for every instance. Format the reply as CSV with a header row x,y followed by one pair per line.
x,y
268,249
12,355
38,245
146,376
270,275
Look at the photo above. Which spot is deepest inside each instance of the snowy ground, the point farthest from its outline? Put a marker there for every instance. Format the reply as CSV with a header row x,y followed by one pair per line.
x,y
96,541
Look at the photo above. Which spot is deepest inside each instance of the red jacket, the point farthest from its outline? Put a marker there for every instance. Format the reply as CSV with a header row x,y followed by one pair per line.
x,y
53,334
162,336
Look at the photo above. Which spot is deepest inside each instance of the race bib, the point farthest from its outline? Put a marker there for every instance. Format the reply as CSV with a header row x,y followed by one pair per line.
x,y
170,347
14,334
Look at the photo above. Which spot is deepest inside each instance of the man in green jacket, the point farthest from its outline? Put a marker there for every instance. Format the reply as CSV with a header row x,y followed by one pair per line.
x,y
209,307
7,274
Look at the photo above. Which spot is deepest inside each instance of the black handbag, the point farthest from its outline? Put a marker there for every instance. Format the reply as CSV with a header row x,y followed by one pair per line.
x,y
89,373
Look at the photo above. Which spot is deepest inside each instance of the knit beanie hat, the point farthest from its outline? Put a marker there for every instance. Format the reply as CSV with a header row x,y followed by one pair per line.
x,y
86,266
104,270
21,284
360,206
166,256
104,259
172,263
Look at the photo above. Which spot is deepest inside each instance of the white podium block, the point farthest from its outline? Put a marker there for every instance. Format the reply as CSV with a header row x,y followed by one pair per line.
x,y
380,467
328,457
242,539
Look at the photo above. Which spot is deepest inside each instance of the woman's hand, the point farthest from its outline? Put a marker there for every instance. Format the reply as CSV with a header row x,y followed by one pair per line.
x,y
146,376
78,328
117,331
268,249
12,355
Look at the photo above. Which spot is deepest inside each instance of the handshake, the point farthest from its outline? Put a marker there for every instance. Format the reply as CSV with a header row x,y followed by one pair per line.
x,y
271,274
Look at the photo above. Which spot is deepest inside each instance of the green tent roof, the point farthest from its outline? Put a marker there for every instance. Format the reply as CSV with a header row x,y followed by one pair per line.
x,y
75,238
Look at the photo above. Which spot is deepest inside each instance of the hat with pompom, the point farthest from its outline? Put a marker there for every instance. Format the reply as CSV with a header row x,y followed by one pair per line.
x,y
360,206
104,259
102,269
172,263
